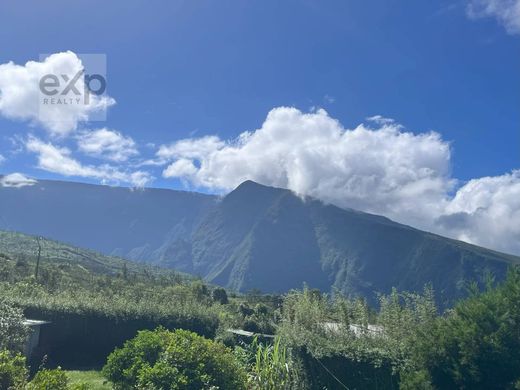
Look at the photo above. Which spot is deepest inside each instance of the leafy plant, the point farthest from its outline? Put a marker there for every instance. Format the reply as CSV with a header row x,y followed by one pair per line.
x,y
271,369
46,379
164,360
13,373
13,332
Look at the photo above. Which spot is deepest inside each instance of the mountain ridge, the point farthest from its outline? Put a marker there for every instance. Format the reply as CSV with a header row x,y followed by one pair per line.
x,y
255,237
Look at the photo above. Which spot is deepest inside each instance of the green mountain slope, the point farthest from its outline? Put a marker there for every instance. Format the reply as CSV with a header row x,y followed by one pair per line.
x,y
73,261
270,239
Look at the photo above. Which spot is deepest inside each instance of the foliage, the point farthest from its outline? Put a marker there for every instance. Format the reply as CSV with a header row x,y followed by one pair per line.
x,y
376,346
162,359
13,332
269,365
46,379
13,373
220,295
88,380
475,346
70,289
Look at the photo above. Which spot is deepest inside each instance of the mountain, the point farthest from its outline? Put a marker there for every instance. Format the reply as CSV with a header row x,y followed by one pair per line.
x,y
271,239
256,237
113,220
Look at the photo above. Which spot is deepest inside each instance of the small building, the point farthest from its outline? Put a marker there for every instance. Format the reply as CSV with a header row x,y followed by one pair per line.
x,y
33,340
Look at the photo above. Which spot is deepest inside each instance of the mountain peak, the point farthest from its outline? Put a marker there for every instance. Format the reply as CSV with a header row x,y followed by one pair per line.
x,y
250,184
251,193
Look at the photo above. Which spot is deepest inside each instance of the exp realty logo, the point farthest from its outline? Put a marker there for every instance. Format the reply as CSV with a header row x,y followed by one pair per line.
x,y
82,83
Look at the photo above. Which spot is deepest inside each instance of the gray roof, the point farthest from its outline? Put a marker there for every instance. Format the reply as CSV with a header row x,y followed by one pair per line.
x,y
28,322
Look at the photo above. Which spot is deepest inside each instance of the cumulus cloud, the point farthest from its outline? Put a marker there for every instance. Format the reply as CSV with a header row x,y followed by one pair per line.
x,y
59,160
21,96
384,170
506,12
486,211
16,180
107,144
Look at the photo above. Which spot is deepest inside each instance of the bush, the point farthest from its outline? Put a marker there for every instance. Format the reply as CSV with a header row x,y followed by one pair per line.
x,y
13,373
13,333
164,360
46,379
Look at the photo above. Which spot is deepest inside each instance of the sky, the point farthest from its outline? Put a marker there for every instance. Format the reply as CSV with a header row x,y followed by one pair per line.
x,y
406,109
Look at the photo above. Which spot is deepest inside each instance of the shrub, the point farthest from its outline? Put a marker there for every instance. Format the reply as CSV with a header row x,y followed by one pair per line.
x,y
13,373
46,379
164,360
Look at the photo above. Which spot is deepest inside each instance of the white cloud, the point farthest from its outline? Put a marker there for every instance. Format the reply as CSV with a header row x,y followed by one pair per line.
x,y
380,120
506,12
2,159
486,211
21,98
59,160
16,180
190,148
107,144
181,168
384,170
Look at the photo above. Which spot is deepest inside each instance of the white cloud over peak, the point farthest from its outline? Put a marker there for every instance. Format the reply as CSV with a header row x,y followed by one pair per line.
x,y
59,160
16,180
384,170
107,144
506,12
21,97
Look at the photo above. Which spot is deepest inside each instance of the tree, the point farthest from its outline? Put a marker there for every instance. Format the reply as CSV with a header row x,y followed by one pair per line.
x,y
476,346
179,359
220,295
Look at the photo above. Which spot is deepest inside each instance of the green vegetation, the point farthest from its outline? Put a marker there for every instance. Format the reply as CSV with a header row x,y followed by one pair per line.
x,y
13,373
94,379
322,340
269,365
12,330
180,359
476,345
49,379
473,346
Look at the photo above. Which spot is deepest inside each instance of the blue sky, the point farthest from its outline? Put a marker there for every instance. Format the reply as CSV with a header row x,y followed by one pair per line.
x,y
189,69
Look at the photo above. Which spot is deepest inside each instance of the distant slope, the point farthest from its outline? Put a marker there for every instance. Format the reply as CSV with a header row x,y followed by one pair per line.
x,y
18,246
255,237
112,220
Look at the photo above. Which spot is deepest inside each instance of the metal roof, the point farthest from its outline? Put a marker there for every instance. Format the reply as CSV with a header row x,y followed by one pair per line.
x,y
29,322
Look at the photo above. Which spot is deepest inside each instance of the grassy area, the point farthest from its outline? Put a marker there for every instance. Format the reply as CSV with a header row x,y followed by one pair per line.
x,y
93,378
